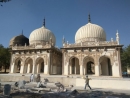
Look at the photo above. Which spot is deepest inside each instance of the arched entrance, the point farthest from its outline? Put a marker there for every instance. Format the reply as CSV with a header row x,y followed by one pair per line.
x,y
42,67
89,67
105,66
74,66
28,65
18,65
39,68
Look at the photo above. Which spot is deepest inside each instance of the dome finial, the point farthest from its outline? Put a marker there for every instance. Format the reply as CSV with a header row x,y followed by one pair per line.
x,y
89,19
22,32
44,22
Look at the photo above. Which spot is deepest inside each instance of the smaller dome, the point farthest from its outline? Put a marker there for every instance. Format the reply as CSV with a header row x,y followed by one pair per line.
x,y
41,36
20,40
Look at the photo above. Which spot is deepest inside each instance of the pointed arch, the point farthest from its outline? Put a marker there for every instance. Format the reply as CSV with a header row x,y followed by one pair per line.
x,y
89,65
74,67
105,65
18,64
28,67
39,67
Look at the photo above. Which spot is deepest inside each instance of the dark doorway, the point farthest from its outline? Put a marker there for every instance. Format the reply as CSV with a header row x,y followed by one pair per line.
x,y
42,67
90,67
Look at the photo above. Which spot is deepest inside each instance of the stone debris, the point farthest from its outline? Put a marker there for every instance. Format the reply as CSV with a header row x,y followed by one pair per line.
x,y
51,90
112,97
45,80
20,84
41,89
60,87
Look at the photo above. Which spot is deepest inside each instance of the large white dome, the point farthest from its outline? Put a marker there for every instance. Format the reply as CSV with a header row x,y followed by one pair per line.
x,y
89,33
41,36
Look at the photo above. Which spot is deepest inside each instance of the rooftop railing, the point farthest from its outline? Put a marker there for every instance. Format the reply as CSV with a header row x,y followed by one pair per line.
x,y
87,44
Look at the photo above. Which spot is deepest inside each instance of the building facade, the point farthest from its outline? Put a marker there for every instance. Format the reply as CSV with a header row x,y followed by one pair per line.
x,y
90,54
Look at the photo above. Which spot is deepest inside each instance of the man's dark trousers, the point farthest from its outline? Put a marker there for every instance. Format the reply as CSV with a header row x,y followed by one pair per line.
x,y
87,84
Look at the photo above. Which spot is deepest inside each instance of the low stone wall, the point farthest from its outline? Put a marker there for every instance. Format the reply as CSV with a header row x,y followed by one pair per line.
x,y
106,83
13,78
64,80
96,82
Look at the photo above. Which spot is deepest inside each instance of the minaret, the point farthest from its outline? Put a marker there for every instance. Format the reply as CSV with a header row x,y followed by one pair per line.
x,y
63,40
44,22
89,19
117,37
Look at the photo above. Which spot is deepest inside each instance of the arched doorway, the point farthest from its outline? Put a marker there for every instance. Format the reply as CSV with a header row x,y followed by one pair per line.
x,y
18,65
39,68
105,66
42,67
28,65
74,66
89,67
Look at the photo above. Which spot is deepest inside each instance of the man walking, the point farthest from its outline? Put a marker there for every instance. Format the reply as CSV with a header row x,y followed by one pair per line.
x,y
87,82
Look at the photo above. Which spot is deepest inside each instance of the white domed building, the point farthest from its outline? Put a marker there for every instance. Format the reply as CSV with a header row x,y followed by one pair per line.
x,y
91,54
40,56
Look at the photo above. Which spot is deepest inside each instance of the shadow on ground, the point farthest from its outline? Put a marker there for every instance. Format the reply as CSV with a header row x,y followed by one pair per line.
x,y
74,94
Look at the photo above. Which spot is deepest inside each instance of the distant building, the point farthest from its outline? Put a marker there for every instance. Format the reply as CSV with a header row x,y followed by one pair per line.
x,y
90,54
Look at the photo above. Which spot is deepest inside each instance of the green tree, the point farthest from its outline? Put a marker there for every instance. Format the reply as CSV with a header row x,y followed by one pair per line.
x,y
4,57
125,58
1,1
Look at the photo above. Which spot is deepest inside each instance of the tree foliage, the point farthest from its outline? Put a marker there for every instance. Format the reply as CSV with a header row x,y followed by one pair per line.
x,y
1,1
5,0
4,57
125,58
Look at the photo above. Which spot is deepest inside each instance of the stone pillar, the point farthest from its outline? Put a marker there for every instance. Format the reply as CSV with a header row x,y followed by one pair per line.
x,y
12,68
38,68
29,68
97,70
66,69
75,69
22,67
47,68
116,68
34,66
81,70
84,69
63,61
70,69
50,63
11,61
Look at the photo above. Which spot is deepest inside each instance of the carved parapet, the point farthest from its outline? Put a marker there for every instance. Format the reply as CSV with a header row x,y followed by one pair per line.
x,y
40,46
97,43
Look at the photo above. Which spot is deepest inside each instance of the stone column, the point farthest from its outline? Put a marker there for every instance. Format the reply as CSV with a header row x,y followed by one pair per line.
x,y
70,69
81,70
25,68
116,68
12,68
50,62
84,69
97,70
38,68
22,67
11,61
29,68
34,66
75,69
63,61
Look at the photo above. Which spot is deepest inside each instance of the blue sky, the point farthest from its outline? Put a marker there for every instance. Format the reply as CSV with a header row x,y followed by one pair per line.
x,y
64,17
